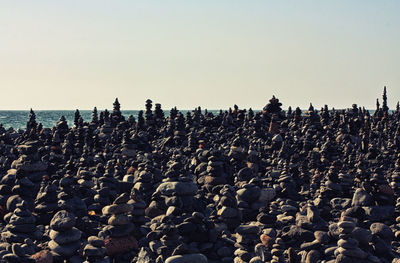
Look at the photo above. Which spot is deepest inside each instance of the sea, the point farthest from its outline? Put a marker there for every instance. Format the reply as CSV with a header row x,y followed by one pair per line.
x,y
17,119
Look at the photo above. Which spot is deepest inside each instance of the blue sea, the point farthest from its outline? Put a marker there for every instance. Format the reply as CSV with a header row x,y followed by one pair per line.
x,y
17,119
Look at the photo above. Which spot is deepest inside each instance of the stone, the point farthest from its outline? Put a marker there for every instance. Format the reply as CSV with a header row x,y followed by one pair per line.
x,y
382,230
267,194
117,209
65,237
177,188
118,245
65,250
188,258
62,220
43,256
361,198
96,241
349,243
228,212
119,219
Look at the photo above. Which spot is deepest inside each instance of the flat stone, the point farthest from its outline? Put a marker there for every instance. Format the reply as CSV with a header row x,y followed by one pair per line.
x,y
65,250
177,188
117,209
92,251
349,243
119,219
188,258
382,230
62,220
96,241
68,236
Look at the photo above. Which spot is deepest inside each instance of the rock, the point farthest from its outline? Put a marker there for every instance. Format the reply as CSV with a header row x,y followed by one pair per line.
x,y
228,212
43,256
313,256
177,188
267,194
250,194
62,220
65,237
117,209
247,229
96,241
119,219
382,230
118,245
65,250
188,258
361,198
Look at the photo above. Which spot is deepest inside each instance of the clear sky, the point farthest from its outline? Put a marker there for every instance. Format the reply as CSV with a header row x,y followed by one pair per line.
x,y
70,54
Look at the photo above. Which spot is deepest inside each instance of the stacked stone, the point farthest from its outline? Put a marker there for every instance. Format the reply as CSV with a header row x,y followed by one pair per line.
x,y
94,251
101,199
348,247
65,238
247,196
176,195
46,203
6,184
382,237
20,225
246,239
346,181
118,233
214,173
108,180
144,178
138,211
128,147
229,215
85,186
16,253
68,200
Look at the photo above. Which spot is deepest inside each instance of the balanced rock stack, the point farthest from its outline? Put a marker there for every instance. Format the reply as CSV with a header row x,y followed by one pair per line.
x,y
15,254
228,212
118,233
65,238
46,203
177,195
348,247
215,174
246,239
94,251
20,225
139,206
246,196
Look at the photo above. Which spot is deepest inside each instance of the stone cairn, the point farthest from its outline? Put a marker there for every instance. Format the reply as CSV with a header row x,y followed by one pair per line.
x,y
65,238
18,234
246,238
118,233
20,224
348,247
94,251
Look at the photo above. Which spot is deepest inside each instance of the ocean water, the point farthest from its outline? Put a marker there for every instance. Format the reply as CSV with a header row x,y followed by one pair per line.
x,y
18,119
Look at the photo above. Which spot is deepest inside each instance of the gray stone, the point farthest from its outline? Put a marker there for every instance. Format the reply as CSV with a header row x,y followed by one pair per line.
x,y
188,258
177,188
64,237
62,220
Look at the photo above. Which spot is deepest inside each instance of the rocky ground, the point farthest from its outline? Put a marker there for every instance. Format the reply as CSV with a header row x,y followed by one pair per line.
x,y
241,186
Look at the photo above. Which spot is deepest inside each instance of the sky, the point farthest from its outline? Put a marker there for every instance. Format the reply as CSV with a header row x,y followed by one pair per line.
x,y
74,54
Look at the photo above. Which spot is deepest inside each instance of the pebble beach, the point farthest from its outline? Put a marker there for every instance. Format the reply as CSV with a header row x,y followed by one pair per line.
x,y
242,186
